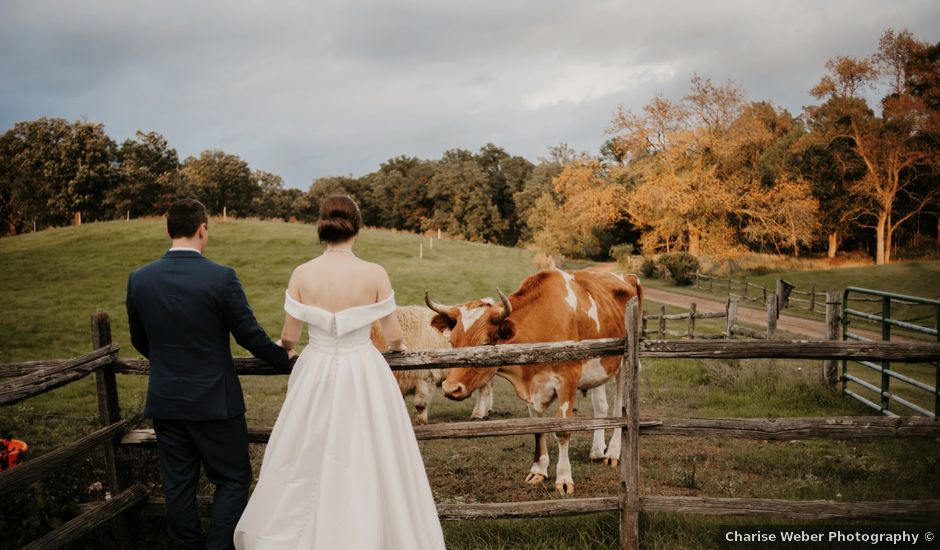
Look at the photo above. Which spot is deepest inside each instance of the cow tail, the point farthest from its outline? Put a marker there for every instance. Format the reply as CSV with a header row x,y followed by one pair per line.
x,y
635,281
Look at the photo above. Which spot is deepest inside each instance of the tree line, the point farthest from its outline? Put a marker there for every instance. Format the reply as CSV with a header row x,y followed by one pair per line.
x,y
712,172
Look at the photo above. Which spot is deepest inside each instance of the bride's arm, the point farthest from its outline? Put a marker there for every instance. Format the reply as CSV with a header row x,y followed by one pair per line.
x,y
290,334
391,329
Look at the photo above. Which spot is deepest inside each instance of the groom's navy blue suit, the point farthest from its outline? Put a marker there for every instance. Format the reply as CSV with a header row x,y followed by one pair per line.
x,y
182,309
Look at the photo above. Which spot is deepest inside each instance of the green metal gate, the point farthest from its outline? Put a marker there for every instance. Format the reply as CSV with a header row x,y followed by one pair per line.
x,y
923,309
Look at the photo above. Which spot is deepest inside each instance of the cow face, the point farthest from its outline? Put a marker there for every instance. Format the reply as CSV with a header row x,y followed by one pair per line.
x,y
476,323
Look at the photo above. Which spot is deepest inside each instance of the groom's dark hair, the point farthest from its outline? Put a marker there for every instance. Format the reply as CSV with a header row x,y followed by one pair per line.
x,y
184,218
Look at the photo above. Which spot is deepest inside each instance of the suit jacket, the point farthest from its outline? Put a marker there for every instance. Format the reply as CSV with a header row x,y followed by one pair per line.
x,y
181,309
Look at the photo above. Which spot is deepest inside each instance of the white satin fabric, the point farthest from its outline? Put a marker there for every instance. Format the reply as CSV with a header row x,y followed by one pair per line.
x,y
342,468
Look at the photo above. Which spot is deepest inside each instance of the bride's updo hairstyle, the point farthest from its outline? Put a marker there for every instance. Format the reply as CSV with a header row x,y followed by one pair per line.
x,y
340,219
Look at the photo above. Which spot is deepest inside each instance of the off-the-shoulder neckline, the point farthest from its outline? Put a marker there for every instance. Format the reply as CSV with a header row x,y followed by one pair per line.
x,y
301,304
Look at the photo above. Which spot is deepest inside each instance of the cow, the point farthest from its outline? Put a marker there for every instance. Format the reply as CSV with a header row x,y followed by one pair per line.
x,y
419,335
549,306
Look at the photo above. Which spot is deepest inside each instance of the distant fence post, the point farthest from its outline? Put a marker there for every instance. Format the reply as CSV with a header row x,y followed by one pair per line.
x,y
692,321
628,383
833,324
731,314
662,322
812,299
109,412
771,317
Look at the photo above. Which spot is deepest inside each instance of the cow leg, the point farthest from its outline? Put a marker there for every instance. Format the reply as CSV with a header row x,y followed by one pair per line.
x,y
423,391
484,401
539,470
599,401
564,484
612,456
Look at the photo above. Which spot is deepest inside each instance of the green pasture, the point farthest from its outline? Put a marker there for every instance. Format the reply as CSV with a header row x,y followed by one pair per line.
x,y
51,281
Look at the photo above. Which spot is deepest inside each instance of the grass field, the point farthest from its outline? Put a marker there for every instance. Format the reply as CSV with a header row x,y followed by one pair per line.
x,y
51,282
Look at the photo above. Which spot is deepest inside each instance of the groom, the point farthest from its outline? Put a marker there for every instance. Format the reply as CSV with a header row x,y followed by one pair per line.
x,y
181,309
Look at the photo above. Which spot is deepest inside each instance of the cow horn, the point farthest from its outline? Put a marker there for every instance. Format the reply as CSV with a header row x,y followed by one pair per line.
x,y
436,307
507,307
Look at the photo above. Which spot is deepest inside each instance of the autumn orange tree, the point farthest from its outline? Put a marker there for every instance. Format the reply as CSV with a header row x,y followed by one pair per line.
x,y
702,181
898,147
584,204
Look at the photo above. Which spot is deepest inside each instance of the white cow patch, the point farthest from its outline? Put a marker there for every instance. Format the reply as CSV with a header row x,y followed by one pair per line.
x,y
570,298
489,301
592,374
592,313
469,316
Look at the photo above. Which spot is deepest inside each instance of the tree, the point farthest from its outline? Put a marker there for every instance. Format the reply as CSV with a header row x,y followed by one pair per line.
x,y
463,200
151,179
894,147
401,193
59,169
787,214
681,199
588,206
223,182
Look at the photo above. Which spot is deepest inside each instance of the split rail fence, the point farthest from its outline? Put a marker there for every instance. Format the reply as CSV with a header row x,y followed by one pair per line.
x,y
629,503
742,289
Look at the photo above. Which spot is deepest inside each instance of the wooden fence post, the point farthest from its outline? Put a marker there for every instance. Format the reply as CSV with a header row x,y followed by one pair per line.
x,y
812,299
833,324
628,383
692,321
771,316
746,285
109,411
662,322
731,314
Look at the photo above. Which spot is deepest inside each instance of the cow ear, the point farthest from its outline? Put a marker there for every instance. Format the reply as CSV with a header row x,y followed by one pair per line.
x,y
443,323
506,330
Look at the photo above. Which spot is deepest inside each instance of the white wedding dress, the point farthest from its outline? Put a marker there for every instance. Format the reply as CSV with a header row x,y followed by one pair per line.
x,y
342,468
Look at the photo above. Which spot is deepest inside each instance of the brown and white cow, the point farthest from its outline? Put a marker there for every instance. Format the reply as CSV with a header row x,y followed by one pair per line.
x,y
415,323
550,306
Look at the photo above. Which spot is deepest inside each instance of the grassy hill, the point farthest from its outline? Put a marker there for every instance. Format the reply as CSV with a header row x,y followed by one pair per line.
x,y
52,281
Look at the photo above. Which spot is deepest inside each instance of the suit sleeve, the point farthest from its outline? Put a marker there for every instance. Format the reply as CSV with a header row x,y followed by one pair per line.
x,y
138,334
241,322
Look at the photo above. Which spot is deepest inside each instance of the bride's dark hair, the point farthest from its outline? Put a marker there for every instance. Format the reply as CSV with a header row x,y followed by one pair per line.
x,y
340,219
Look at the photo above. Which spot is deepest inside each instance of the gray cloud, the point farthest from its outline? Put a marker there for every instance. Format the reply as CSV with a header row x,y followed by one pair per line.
x,y
314,89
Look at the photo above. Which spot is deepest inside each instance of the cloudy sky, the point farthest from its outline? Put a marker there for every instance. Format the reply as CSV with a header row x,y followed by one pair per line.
x,y
313,89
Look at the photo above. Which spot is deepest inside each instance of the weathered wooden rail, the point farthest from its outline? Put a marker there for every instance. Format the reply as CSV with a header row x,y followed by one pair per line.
x,y
629,503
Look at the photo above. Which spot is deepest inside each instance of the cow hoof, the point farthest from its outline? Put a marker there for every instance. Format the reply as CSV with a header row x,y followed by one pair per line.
x,y
599,459
612,462
477,417
534,479
565,487
420,421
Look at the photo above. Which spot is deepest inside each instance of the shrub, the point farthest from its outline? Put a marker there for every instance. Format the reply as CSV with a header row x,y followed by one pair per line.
x,y
648,268
681,265
623,255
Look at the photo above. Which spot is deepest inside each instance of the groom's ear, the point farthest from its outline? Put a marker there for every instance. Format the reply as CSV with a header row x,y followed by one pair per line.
x,y
443,323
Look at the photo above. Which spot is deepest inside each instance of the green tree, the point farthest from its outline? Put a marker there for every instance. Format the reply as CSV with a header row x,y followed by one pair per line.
x,y
463,201
151,179
63,168
221,181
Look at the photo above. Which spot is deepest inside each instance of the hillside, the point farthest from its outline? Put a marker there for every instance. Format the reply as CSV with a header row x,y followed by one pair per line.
x,y
51,281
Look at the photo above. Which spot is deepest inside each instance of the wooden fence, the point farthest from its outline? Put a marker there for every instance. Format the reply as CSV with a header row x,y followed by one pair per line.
x,y
628,504
742,289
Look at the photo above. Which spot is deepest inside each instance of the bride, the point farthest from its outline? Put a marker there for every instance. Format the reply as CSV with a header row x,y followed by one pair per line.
x,y
342,468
